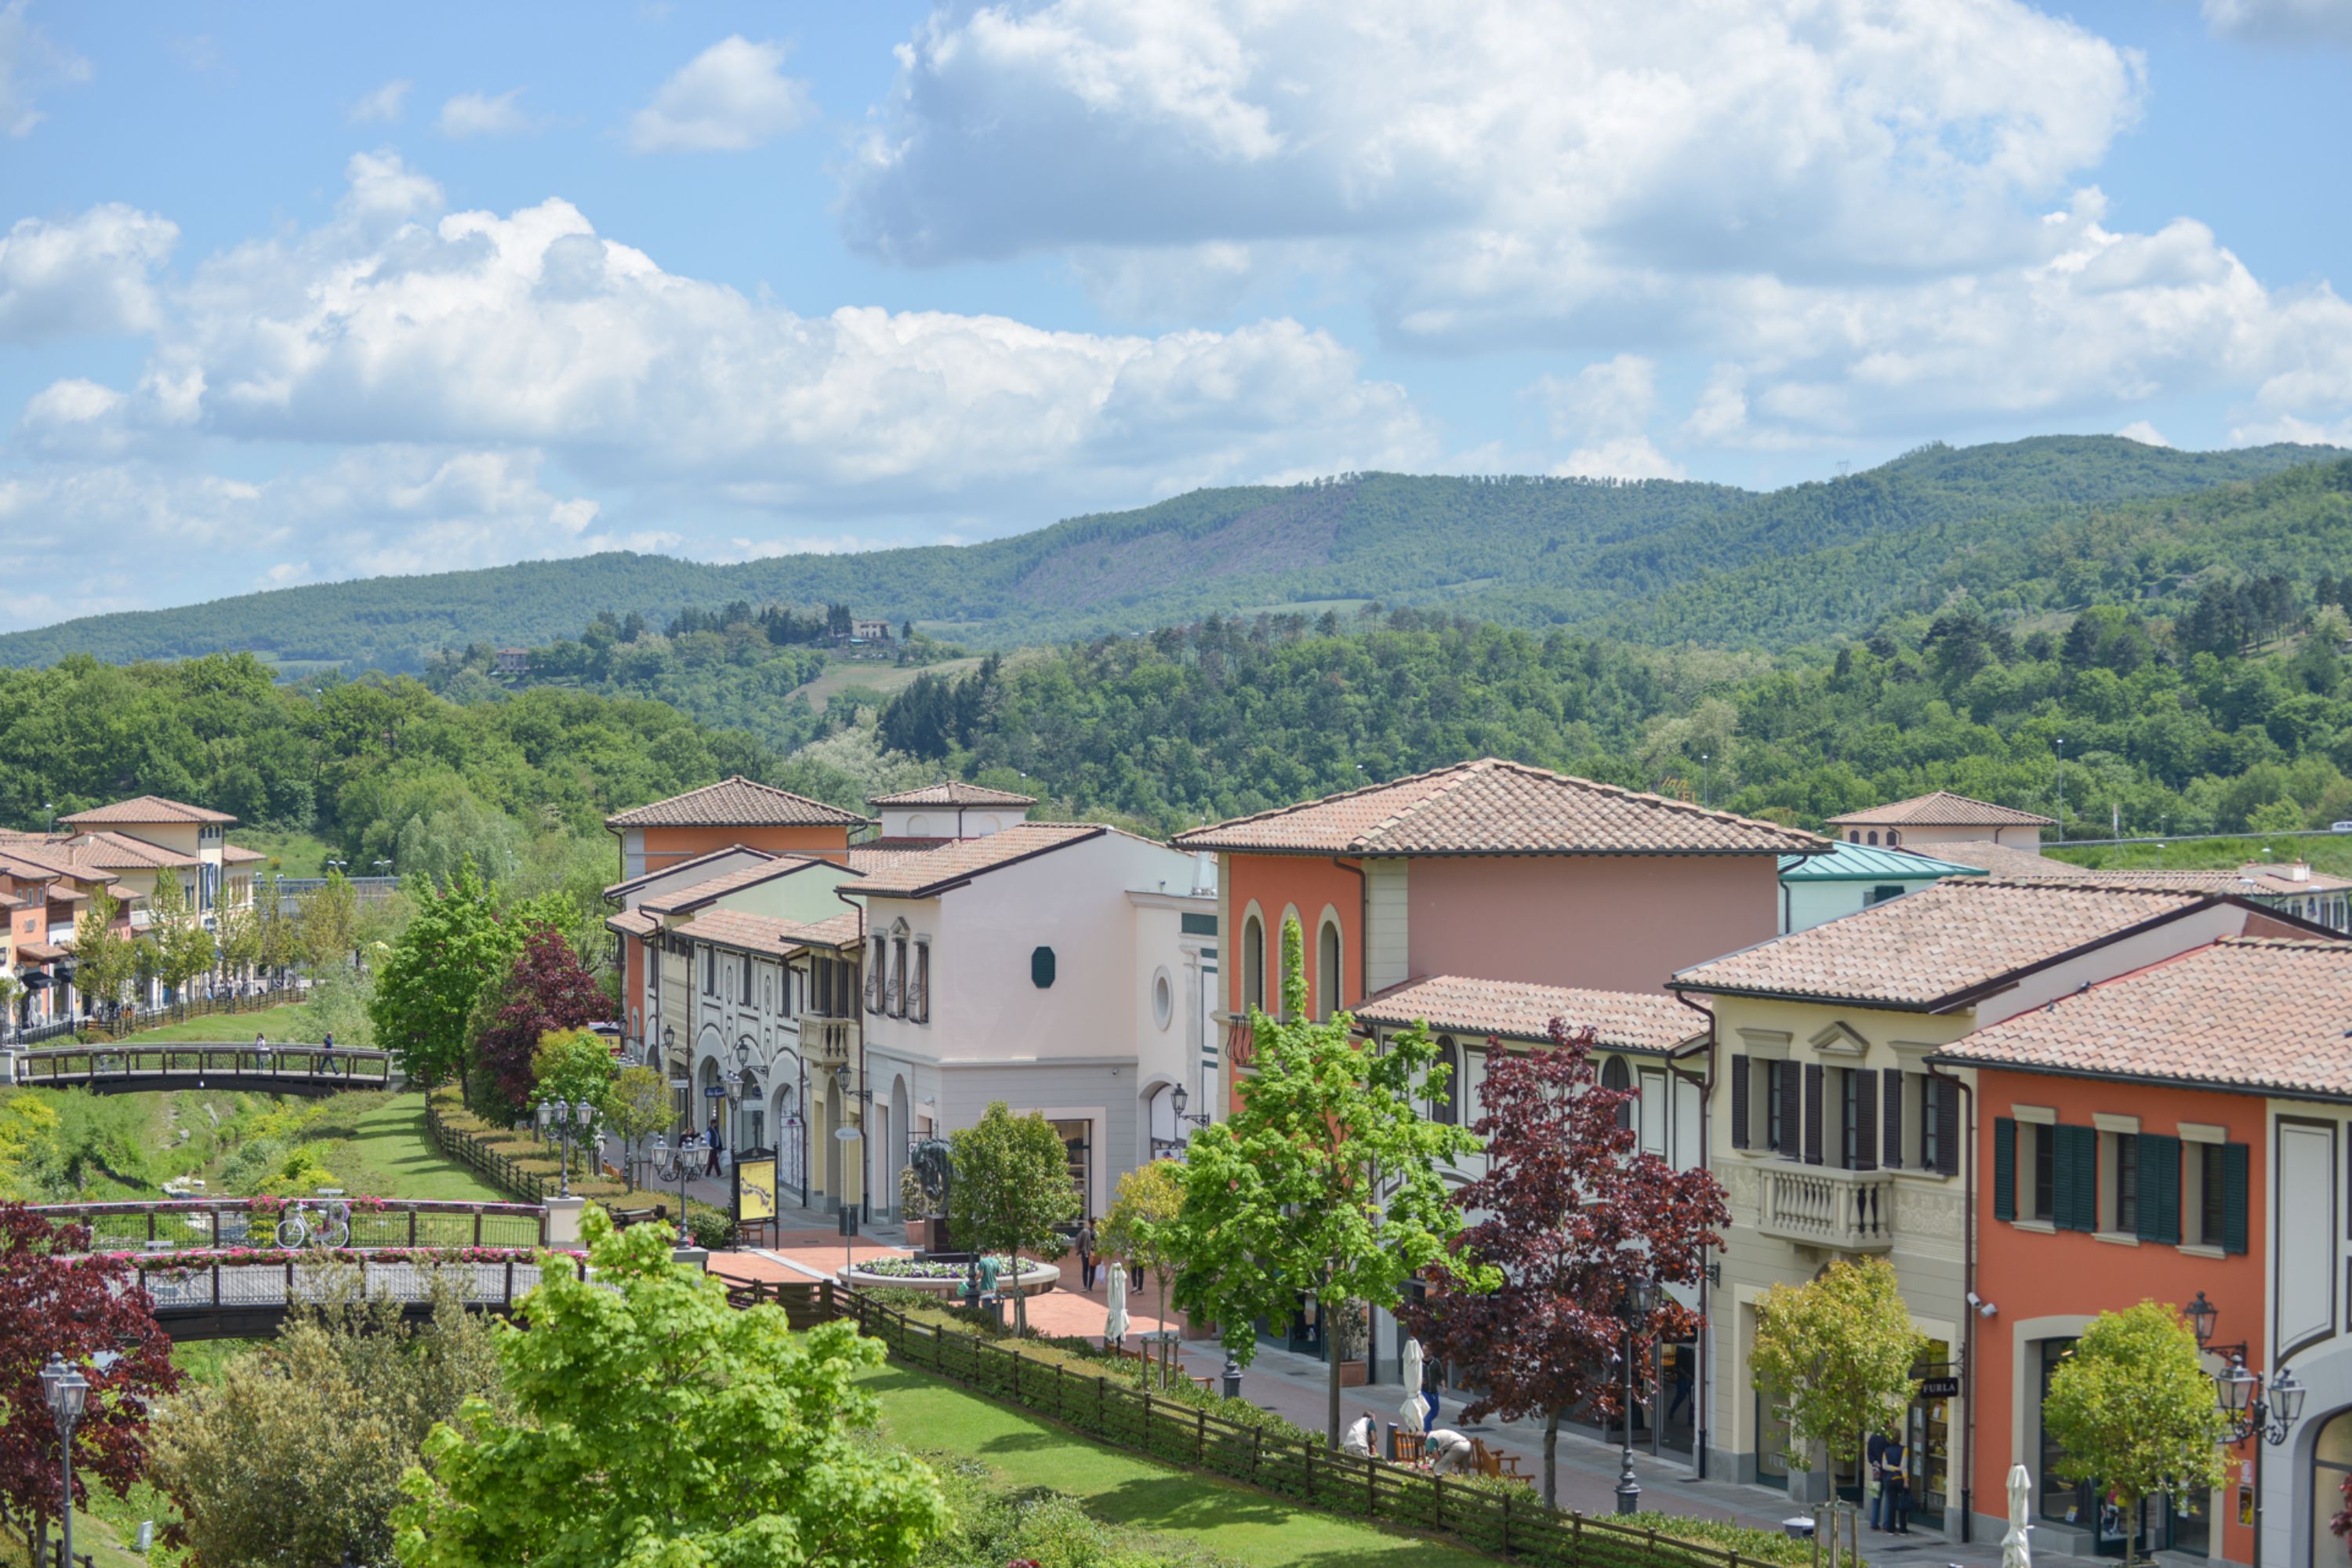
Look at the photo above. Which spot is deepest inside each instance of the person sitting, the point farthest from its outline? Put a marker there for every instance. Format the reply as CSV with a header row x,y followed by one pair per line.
x,y
1447,1451
1357,1439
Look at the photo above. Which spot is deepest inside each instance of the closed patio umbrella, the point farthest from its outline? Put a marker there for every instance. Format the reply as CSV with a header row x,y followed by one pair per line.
x,y
1115,1321
2016,1549
1415,1408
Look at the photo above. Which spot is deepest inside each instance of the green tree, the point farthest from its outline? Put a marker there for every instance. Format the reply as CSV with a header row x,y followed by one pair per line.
x,y
328,919
656,1427
182,947
2133,1410
452,947
295,1456
636,1106
238,928
1835,1356
1141,1227
1324,1179
105,961
1012,1189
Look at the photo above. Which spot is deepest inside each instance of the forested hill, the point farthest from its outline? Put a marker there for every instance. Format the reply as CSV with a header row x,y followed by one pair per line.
x,y
1655,560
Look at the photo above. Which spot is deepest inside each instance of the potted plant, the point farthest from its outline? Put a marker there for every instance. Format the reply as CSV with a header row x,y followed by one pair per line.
x,y
1352,1338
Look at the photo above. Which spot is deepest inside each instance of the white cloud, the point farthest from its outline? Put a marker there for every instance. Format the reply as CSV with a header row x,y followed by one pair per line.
x,y
2146,434
1620,458
479,114
384,106
457,361
85,274
2288,21
730,97
30,64
1604,411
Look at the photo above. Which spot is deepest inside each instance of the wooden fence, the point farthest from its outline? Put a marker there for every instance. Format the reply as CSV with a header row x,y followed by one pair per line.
x,y
1506,1521
473,1152
132,1020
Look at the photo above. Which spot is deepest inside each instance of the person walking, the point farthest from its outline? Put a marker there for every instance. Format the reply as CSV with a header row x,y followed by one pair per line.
x,y
328,1043
1087,1255
1874,1476
712,1136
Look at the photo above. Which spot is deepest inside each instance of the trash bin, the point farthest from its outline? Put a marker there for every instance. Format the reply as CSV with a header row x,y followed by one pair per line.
x,y
1798,1529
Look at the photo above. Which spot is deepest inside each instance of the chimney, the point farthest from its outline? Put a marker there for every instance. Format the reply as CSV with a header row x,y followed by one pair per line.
x,y
2298,871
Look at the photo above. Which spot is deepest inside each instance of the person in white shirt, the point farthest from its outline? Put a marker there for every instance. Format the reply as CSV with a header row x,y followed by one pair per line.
x,y
1447,1451
1357,1439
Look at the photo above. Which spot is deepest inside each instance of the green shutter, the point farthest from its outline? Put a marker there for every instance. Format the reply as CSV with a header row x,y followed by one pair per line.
x,y
2004,1168
2075,1203
2160,1188
2234,1197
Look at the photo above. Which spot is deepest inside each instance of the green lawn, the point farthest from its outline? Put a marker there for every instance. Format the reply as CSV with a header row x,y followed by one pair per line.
x,y
2332,854
928,1415
282,1025
393,1157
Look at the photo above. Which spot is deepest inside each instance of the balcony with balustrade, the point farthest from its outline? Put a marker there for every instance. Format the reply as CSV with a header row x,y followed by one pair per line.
x,y
1819,1205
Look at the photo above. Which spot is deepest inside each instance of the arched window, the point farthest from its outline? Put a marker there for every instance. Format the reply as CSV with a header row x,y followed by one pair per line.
x,y
1893,837
1444,1100
1254,963
1614,1075
1327,970
1873,836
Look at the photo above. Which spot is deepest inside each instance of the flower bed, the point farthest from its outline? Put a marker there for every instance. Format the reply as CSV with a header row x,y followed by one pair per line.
x,y
944,1279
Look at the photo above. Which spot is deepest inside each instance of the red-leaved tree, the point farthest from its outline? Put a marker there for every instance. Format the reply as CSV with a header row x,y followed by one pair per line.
x,y
1568,1205
54,1298
547,989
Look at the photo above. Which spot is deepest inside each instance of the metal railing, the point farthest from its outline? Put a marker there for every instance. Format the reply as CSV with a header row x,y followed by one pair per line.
x,y
103,1066
175,1223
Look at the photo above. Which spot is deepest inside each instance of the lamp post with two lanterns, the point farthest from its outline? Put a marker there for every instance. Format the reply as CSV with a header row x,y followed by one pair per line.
x,y
67,1393
561,1116
2254,1406
1639,1300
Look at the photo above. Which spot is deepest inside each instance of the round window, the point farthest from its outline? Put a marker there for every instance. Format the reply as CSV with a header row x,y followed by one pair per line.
x,y
1041,968
1164,999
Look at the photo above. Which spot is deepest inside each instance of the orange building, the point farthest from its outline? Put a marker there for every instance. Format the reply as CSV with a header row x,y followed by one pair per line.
x,y
734,811
2130,1134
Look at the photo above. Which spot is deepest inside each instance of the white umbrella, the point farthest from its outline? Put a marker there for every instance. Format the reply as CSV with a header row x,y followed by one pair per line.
x,y
1115,1321
1414,1410
2016,1551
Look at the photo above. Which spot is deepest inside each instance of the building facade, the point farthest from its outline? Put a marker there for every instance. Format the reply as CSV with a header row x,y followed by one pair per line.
x,y
1852,878
1926,821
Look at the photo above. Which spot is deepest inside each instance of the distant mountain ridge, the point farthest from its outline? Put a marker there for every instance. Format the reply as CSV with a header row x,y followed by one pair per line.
x,y
1653,559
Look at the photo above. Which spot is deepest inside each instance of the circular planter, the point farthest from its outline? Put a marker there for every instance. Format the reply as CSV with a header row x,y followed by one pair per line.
x,y
1035,1279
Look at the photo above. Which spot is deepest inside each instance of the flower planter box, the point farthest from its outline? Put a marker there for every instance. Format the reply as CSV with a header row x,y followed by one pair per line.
x,y
1354,1374
1036,1280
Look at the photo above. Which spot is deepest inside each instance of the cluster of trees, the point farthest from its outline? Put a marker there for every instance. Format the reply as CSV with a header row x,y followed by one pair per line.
x,y
327,929
2101,715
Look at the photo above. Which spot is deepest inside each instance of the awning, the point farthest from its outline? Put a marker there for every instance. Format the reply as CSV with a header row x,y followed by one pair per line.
x,y
37,981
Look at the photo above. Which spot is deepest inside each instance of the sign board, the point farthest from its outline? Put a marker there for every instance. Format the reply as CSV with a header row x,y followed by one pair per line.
x,y
755,1186
1939,1388
846,1134
714,1092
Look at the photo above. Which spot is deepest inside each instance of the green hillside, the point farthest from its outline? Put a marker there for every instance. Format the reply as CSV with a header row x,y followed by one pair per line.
x,y
1657,558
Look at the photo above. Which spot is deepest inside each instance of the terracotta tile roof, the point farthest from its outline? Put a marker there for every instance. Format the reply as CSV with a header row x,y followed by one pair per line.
x,y
623,886
1494,807
632,922
736,802
2000,860
953,792
1515,1010
37,863
2243,1013
889,853
711,889
118,851
1932,948
1941,808
768,935
145,809
2254,879
959,859
238,855
42,952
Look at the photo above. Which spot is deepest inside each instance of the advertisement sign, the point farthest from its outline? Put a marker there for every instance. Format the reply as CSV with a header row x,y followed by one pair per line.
x,y
755,1186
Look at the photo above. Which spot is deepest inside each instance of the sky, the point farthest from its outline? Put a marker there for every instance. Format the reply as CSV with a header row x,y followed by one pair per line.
x,y
296,293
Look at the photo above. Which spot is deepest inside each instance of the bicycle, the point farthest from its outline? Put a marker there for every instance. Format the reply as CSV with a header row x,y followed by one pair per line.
x,y
328,1228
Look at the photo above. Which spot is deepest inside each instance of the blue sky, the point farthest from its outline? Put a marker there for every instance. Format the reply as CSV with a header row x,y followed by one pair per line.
x,y
289,294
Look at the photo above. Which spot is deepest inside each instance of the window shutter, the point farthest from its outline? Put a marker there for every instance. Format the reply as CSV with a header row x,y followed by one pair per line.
x,y
1739,1102
2234,1197
923,998
2085,1160
1813,1113
1947,1128
2160,1188
2004,1168
1866,1125
1890,1134
2075,1198
1792,1111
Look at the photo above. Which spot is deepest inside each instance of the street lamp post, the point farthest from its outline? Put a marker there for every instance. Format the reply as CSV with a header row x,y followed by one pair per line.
x,y
67,1393
2252,1406
793,1130
1640,1298
688,1147
561,1116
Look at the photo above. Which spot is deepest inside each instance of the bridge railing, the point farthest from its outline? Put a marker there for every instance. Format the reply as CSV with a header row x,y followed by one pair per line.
x,y
181,1287
172,1225
85,1066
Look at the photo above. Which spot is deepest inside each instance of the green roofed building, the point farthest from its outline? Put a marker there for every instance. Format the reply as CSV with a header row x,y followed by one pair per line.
x,y
1851,877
